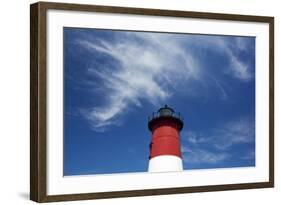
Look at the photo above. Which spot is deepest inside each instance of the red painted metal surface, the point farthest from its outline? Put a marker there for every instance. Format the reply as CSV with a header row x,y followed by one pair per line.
x,y
165,138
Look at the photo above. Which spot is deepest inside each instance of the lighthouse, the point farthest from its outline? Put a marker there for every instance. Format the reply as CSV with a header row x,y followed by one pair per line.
x,y
165,150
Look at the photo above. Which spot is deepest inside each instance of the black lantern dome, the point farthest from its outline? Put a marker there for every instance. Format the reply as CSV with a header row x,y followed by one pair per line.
x,y
165,113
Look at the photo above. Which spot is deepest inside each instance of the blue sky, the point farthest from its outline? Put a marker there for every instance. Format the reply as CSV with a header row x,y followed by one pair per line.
x,y
113,80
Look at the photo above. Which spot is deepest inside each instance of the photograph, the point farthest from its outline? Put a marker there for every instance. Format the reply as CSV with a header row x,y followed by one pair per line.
x,y
142,101
130,102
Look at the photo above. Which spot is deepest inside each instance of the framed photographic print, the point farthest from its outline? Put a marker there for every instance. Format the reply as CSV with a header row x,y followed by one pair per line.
x,y
134,102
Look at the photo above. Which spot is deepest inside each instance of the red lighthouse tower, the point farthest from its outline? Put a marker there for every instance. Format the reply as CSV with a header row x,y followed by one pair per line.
x,y
165,151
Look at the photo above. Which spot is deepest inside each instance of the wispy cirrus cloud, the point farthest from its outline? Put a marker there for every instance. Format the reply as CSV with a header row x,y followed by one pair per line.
x,y
235,132
195,138
195,153
215,145
202,156
237,68
150,67
144,72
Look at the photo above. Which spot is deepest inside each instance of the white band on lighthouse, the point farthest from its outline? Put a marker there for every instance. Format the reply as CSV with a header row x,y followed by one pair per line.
x,y
165,163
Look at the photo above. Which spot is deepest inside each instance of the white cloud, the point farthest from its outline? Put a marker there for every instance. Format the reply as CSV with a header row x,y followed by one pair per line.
x,y
237,68
223,136
143,71
148,67
214,145
194,138
194,153
224,95
236,132
201,156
